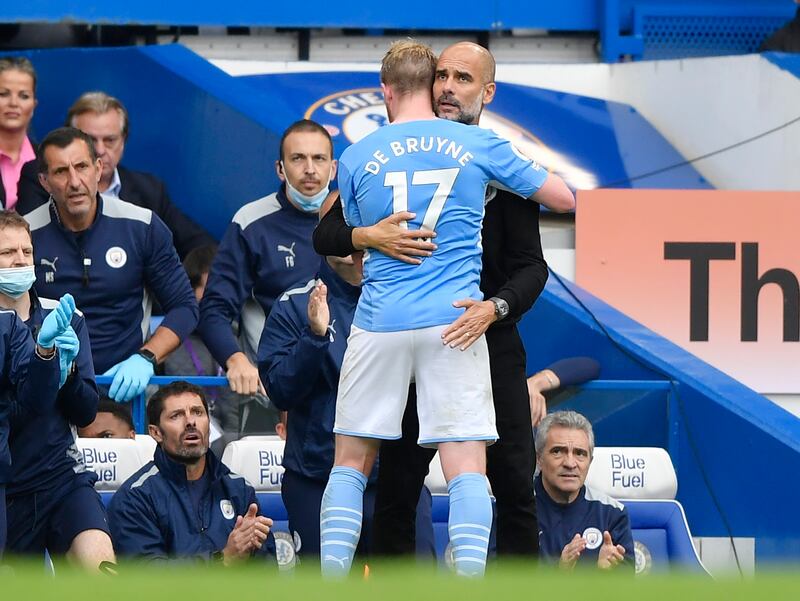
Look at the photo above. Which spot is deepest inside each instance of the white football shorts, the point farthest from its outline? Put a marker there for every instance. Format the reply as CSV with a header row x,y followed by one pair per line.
x,y
454,391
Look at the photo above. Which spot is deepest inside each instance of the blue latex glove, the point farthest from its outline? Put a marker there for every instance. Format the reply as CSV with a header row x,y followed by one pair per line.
x,y
130,378
56,322
68,346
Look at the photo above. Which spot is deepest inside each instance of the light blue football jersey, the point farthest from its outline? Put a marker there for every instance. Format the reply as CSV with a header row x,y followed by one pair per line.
x,y
439,170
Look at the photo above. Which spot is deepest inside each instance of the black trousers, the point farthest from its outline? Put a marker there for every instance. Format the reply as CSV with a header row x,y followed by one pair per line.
x,y
510,462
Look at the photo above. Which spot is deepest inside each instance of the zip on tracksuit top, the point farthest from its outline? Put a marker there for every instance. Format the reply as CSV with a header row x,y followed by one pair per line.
x,y
589,515
153,516
265,250
111,268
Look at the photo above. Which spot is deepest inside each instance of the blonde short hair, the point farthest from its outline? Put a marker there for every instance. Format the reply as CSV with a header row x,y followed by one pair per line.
x,y
21,64
99,103
408,66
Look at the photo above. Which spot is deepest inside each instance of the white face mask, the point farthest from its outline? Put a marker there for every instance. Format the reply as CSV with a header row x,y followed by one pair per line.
x,y
16,281
309,204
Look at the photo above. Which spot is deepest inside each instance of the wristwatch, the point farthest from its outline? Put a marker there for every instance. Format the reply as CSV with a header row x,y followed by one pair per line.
x,y
500,307
149,355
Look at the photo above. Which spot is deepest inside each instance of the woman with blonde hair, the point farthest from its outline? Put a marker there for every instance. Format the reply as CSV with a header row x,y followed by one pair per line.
x,y
17,101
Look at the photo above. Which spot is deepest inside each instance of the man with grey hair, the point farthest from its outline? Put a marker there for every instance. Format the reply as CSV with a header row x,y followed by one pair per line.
x,y
105,119
577,523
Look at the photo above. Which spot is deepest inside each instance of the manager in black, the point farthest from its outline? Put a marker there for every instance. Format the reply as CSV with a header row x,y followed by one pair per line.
x,y
514,274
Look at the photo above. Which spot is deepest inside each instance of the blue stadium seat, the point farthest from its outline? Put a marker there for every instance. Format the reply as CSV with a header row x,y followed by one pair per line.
x,y
259,460
662,538
661,533
115,460
644,480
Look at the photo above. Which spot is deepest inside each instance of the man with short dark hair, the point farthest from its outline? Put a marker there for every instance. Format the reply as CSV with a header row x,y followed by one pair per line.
x,y
113,420
578,525
111,255
186,503
265,250
106,120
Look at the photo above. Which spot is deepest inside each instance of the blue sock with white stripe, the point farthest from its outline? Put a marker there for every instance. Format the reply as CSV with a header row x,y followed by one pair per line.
x,y
470,523
340,520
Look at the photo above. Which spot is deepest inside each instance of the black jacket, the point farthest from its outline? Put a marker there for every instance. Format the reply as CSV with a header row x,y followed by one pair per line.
x,y
514,268
786,39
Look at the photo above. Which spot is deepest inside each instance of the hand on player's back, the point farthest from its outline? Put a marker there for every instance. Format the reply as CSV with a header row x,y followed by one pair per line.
x,y
471,325
392,237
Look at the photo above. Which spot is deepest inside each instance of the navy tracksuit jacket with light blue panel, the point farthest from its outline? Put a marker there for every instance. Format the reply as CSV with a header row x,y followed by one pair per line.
x,y
153,516
265,250
25,376
110,269
589,515
43,448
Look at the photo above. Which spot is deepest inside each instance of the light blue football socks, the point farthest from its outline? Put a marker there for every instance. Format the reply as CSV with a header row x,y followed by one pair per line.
x,y
470,523
340,520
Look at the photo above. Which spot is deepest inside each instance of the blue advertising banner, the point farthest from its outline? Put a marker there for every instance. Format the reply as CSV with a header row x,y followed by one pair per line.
x,y
591,143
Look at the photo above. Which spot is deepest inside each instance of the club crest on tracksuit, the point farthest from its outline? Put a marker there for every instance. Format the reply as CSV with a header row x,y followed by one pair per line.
x,y
116,257
226,507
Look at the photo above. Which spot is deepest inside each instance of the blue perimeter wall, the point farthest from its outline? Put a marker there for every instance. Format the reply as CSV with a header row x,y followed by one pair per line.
x,y
722,436
175,89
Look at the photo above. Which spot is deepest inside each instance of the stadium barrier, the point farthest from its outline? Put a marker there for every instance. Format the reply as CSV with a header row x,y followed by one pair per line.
x,y
635,28
643,478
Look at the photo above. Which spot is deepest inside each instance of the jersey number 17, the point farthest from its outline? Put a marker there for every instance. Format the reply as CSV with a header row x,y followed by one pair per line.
x,y
444,180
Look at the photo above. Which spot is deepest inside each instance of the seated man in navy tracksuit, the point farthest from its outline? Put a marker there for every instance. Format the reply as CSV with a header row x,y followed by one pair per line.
x,y
577,525
299,358
186,504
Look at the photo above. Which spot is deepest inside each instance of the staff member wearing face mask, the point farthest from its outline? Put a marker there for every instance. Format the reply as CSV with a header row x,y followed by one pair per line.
x,y
265,250
51,501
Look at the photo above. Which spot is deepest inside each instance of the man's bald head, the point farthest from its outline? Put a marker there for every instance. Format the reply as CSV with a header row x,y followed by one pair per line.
x,y
464,82
474,52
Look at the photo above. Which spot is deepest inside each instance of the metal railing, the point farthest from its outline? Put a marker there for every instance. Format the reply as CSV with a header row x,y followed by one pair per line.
x,y
138,407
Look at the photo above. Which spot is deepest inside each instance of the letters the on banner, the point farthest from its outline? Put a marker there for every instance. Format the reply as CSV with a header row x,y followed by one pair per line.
x,y
717,272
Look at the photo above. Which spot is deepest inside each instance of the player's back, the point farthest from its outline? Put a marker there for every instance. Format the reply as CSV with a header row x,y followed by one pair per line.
x,y
439,170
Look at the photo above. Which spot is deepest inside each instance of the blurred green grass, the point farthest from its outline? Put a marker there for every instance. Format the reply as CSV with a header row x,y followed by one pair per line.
x,y
387,582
